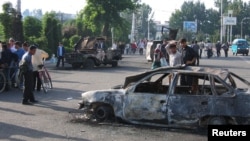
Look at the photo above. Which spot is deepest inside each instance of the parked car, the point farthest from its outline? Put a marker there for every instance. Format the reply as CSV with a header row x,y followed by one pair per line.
x,y
240,46
157,98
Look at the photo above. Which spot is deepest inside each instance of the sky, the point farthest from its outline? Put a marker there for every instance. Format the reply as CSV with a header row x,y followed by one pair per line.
x,y
162,8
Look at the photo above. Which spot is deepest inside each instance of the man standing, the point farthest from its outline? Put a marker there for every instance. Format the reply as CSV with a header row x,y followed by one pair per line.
x,y
164,50
60,55
225,47
202,46
27,70
196,49
189,57
218,48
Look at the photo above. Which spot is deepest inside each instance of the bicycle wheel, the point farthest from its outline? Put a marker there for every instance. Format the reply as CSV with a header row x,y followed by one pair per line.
x,y
2,82
49,78
44,81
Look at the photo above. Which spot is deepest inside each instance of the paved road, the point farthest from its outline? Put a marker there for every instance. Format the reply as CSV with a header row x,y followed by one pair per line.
x,y
50,119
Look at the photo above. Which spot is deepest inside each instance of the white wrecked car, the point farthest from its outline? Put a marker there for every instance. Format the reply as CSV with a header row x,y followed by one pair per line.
x,y
174,96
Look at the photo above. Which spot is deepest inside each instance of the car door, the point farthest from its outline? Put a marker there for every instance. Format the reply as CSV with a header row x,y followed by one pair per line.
x,y
183,106
143,103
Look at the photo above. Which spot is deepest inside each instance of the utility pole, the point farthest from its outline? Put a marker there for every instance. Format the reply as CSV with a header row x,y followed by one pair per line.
x,y
132,35
221,28
149,18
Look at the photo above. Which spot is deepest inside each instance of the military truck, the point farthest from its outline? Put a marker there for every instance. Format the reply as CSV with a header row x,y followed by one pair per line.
x,y
151,45
88,54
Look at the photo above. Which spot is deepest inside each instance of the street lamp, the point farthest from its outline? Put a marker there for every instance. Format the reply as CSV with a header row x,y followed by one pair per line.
x,y
242,24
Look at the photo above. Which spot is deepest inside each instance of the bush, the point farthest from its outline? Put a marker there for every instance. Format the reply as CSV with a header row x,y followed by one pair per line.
x,y
73,40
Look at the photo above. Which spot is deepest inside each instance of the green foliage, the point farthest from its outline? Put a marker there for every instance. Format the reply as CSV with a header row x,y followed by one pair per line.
x,y
73,40
52,31
32,27
6,19
101,15
209,20
2,34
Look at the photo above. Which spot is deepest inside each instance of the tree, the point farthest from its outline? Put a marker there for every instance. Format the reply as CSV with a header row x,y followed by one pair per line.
x,y
52,30
105,14
7,20
12,22
208,20
32,27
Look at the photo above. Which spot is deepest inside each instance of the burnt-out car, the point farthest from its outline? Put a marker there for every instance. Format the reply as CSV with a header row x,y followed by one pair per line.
x,y
160,98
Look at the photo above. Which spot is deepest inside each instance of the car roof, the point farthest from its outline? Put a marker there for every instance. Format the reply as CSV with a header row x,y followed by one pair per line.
x,y
220,72
239,40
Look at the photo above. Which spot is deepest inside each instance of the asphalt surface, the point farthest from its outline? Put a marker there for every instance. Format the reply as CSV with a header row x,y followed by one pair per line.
x,y
53,118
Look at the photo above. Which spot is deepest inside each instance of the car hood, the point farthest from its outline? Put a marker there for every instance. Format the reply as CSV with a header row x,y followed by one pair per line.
x,y
102,95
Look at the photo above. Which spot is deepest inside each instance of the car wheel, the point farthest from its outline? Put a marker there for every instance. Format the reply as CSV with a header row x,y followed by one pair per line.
x,y
233,53
217,121
102,112
236,54
76,65
89,64
114,64
247,54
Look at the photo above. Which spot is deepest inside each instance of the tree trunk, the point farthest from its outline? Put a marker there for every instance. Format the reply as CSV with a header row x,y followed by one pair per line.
x,y
105,30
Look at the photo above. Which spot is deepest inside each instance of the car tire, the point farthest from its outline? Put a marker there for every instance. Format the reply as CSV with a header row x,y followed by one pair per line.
x,y
76,65
89,64
114,64
217,121
103,113
247,54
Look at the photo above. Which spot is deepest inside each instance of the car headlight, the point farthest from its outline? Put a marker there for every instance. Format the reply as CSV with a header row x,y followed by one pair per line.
x,y
247,48
238,48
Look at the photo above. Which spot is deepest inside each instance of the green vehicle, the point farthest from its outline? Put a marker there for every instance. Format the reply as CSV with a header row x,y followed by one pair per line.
x,y
90,52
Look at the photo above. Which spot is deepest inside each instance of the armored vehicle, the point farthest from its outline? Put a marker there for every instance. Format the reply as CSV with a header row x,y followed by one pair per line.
x,y
92,51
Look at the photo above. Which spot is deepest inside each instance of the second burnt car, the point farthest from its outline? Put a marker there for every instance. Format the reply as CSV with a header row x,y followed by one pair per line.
x,y
160,98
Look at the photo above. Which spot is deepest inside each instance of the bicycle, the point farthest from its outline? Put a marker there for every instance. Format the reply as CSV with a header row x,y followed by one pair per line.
x,y
13,78
45,78
2,81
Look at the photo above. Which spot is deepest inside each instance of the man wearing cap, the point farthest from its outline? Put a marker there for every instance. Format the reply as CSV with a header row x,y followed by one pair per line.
x,y
27,70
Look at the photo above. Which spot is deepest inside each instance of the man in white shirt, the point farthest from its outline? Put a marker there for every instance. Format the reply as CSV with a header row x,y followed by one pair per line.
x,y
175,56
37,59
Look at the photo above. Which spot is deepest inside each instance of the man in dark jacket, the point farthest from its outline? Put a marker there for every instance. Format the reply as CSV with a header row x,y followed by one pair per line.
x,y
7,59
60,55
189,57
218,48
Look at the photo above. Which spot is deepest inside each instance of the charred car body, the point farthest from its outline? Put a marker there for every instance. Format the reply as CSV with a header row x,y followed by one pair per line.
x,y
89,53
157,98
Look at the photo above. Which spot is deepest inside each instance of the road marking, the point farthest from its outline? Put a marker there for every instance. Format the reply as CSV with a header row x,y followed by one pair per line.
x,y
245,59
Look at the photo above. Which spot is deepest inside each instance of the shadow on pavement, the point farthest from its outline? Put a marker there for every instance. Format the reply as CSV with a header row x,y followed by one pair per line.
x,y
10,131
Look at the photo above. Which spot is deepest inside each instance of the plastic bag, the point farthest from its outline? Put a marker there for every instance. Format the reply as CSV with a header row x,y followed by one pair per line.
x,y
164,62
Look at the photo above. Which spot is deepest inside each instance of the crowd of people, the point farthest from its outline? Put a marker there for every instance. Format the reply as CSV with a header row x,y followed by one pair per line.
x,y
133,47
172,53
19,62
